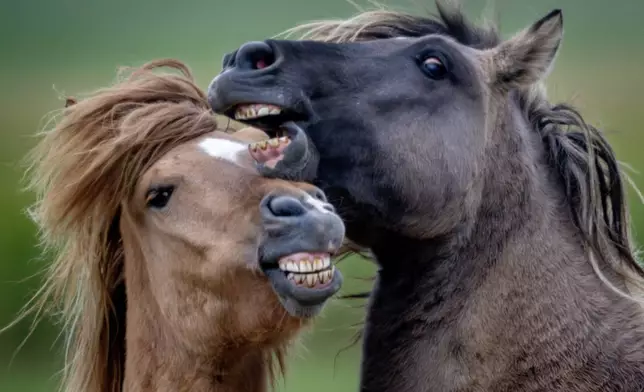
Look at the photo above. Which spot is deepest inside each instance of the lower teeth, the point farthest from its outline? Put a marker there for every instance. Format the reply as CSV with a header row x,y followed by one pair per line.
x,y
311,279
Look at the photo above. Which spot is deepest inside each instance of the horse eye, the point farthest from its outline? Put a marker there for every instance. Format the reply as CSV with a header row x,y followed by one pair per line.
x,y
434,68
158,197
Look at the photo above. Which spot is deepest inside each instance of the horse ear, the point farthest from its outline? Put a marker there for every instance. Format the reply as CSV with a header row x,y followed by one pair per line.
x,y
70,101
528,56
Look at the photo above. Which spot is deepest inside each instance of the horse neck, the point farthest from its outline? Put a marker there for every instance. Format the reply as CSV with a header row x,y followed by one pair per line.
x,y
155,363
523,229
156,358
520,269
519,199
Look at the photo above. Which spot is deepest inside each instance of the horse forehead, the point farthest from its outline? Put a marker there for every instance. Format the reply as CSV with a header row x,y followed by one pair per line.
x,y
396,43
384,47
225,149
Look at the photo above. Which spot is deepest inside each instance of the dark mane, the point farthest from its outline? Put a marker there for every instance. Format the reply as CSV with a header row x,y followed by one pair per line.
x,y
590,174
450,20
578,154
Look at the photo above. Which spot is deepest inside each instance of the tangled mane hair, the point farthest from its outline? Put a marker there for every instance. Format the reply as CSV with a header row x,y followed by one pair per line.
x,y
577,152
82,170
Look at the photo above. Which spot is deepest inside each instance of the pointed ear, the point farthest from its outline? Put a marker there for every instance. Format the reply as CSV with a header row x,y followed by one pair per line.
x,y
528,56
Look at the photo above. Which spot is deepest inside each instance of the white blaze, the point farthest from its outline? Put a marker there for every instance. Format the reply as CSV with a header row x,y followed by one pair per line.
x,y
224,149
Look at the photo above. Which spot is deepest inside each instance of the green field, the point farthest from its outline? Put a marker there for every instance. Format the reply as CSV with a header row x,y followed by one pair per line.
x,y
57,47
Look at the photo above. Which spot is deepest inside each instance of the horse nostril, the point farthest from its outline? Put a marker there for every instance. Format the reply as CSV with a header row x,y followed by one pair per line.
x,y
318,194
254,55
286,206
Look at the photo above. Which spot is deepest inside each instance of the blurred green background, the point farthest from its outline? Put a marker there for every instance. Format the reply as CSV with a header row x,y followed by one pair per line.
x,y
50,48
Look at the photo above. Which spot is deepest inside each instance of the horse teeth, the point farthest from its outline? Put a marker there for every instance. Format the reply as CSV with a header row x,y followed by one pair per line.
x,y
284,139
308,272
284,265
274,143
247,112
311,279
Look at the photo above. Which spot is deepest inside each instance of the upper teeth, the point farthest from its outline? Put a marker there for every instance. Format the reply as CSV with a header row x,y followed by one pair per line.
x,y
305,265
247,112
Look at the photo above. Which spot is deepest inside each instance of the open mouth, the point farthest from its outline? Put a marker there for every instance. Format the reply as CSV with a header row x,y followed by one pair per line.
x,y
267,117
255,111
270,151
287,141
310,270
304,281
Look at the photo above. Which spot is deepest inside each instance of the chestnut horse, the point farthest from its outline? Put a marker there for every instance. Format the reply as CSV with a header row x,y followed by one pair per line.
x,y
178,267
498,219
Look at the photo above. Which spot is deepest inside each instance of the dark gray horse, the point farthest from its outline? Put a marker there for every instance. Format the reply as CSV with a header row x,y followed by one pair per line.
x,y
498,220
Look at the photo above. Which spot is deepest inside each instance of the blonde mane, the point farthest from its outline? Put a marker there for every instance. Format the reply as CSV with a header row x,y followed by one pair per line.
x,y
81,171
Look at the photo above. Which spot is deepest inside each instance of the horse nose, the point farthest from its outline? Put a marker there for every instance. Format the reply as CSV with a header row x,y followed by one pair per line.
x,y
286,206
295,222
254,55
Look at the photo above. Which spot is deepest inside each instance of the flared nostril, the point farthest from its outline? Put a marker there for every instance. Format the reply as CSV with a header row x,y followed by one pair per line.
x,y
228,60
286,206
254,55
318,194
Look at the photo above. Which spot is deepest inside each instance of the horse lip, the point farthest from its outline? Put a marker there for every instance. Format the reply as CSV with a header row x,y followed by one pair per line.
x,y
226,92
298,301
302,302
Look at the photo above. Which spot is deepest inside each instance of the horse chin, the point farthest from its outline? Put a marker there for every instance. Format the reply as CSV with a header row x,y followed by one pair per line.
x,y
304,294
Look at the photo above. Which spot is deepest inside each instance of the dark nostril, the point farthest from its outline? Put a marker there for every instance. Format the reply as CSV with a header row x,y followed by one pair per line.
x,y
228,60
318,194
254,55
286,206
